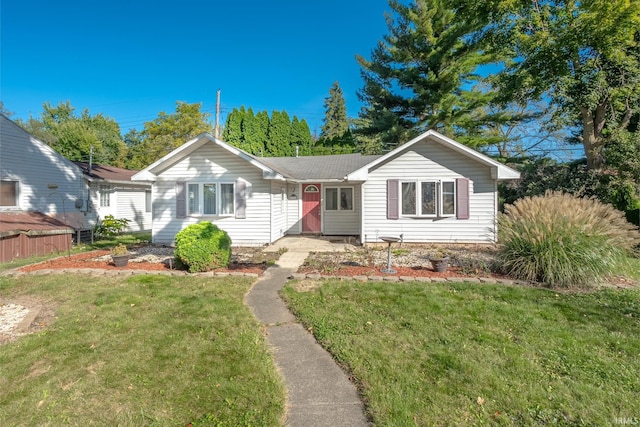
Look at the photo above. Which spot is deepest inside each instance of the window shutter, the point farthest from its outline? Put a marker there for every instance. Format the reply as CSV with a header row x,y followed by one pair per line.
x,y
181,200
462,198
241,199
392,199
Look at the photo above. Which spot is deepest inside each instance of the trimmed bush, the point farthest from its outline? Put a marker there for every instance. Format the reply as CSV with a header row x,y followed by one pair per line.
x,y
202,247
562,240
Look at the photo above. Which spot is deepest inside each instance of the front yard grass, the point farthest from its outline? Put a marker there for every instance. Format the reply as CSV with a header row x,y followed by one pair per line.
x,y
143,350
469,354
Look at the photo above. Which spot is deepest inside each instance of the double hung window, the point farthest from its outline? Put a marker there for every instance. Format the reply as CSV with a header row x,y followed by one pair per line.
x,y
428,198
210,199
105,196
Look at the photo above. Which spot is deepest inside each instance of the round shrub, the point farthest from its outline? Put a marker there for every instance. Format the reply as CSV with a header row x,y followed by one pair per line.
x,y
202,247
562,240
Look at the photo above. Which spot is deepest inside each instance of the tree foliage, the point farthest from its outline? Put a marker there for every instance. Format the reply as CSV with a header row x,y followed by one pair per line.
x,y
233,128
423,75
75,137
584,56
301,137
335,122
279,135
166,133
254,132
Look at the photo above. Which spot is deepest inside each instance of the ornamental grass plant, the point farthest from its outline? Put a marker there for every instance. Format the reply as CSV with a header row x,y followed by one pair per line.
x,y
563,241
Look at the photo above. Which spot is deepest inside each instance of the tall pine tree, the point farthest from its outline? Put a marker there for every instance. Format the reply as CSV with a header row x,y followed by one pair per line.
x,y
422,75
335,123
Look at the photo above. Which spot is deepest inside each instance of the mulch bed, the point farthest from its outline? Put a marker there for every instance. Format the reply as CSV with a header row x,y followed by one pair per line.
x,y
352,271
87,260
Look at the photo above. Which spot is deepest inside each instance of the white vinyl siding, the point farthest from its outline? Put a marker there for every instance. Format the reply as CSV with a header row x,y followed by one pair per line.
x,y
294,209
431,162
48,182
210,163
279,207
132,205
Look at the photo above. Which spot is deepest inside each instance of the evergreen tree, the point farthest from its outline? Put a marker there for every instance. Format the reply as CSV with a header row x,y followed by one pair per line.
x,y
233,127
423,74
335,123
279,135
301,137
254,132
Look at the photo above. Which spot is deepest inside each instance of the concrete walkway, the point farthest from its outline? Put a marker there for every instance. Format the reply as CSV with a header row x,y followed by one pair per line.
x,y
319,392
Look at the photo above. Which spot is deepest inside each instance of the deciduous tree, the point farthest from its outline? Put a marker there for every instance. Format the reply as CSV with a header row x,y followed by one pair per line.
x,y
583,56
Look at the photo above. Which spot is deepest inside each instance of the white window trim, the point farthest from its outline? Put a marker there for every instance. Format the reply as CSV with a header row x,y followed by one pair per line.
x,y
105,195
439,198
339,206
17,198
199,213
148,201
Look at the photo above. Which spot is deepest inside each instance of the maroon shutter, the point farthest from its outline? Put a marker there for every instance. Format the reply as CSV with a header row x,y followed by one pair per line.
x,y
462,198
181,199
392,199
241,199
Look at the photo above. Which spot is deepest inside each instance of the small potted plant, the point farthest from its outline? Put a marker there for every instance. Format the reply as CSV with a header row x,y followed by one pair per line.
x,y
120,255
439,261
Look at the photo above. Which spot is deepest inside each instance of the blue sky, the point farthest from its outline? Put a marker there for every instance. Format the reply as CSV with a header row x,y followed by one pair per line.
x,y
131,60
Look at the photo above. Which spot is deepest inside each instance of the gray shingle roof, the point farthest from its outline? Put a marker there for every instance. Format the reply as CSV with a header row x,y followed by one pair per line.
x,y
317,167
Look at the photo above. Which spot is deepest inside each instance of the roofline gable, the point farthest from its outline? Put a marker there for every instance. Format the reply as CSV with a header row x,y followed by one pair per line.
x,y
45,146
147,174
498,171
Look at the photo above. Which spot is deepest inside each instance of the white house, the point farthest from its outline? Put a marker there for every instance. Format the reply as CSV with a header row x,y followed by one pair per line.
x,y
36,178
431,189
113,193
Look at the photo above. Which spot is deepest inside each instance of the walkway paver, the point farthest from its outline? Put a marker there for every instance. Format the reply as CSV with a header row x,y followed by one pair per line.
x,y
319,392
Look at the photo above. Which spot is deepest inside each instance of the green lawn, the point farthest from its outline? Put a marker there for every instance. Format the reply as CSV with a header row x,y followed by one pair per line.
x,y
143,350
469,354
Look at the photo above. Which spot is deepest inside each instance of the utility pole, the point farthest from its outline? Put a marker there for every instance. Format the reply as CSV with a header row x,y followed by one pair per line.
x,y
217,128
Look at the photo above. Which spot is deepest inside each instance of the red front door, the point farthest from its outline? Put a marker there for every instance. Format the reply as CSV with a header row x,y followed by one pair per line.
x,y
311,208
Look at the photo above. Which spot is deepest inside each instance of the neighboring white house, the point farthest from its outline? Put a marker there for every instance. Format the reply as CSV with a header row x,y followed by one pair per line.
x,y
431,189
34,177
113,193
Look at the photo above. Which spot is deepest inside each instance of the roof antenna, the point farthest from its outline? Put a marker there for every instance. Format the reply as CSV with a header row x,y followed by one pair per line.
x,y
90,160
